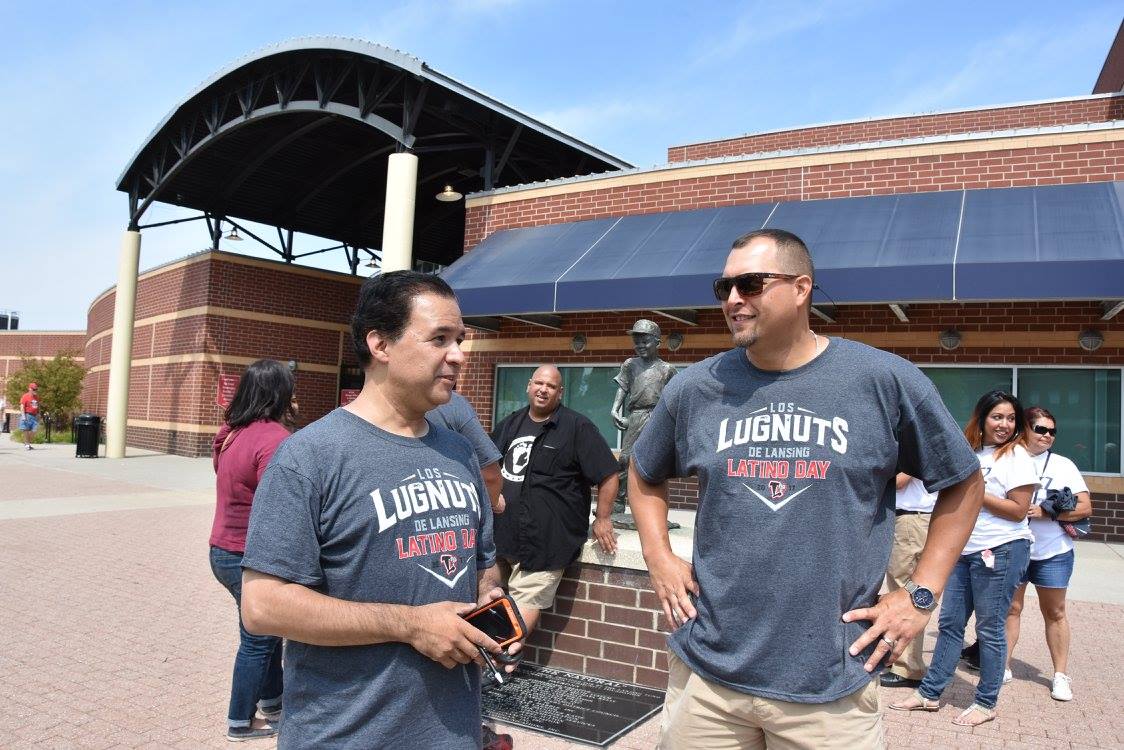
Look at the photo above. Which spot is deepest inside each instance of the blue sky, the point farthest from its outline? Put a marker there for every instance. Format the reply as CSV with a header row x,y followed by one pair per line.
x,y
84,84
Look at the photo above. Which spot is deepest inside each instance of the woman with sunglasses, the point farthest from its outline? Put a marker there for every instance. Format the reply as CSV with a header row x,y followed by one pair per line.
x,y
1051,553
992,564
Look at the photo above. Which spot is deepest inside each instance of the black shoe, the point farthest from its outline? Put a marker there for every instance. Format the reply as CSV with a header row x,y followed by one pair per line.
x,y
971,657
241,734
894,680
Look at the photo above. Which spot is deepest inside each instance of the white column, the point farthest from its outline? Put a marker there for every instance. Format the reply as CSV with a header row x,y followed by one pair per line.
x,y
398,216
121,356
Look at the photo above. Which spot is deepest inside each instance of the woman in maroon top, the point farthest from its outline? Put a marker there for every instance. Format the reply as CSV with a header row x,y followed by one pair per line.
x,y
257,420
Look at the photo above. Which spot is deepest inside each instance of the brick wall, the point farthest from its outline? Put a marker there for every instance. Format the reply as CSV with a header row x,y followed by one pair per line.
x,y
1108,516
15,345
605,622
1043,165
1092,109
214,305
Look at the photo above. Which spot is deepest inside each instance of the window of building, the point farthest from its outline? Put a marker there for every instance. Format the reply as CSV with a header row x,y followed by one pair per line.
x,y
961,387
587,389
1086,404
1085,401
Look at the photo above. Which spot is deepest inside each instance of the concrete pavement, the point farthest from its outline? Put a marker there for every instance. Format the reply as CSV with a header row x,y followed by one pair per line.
x,y
114,634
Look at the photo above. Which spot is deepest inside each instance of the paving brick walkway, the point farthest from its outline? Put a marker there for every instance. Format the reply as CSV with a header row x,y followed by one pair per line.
x,y
113,633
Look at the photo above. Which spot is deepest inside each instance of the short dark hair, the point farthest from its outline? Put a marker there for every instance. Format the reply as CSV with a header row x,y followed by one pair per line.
x,y
791,250
385,304
265,391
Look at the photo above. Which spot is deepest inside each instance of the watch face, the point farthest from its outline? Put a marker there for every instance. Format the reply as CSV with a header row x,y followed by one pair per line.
x,y
923,598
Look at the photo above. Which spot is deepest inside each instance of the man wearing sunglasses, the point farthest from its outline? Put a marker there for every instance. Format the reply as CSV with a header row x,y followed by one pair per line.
x,y
796,440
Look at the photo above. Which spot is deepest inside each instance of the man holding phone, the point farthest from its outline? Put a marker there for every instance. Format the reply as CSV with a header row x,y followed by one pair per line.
x,y
370,538
795,439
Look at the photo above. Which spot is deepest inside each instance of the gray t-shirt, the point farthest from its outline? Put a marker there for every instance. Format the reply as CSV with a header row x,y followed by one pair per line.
x,y
360,514
796,506
459,416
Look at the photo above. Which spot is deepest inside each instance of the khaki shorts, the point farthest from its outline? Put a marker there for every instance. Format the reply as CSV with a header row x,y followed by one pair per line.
x,y
533,589
701,714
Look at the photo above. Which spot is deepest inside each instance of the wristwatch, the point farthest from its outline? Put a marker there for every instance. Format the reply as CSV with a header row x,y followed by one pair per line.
x,y
923,598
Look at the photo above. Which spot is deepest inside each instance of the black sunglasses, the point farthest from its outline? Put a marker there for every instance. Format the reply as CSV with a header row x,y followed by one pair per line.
x,y
747,284
1044,430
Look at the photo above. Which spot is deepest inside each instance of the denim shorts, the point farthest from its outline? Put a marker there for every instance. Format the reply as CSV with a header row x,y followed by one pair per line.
x,y
29,422
1051,573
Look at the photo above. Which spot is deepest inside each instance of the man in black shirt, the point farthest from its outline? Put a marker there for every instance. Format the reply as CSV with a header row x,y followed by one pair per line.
x,y
551,456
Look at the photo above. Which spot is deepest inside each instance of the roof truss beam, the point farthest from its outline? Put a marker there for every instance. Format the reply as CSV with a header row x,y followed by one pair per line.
x,y
826,313
326,84
688,317
412,105
369,106
248,97
507,152
553,322
484,323
285,84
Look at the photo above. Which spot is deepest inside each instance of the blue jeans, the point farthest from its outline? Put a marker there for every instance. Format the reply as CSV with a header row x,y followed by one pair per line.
x,y
257,666
988,591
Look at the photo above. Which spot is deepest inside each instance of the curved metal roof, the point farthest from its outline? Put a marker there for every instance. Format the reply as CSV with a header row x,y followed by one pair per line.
x,y
297,135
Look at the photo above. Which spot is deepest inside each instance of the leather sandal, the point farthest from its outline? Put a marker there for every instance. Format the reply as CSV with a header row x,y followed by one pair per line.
x,y
923,704
963,719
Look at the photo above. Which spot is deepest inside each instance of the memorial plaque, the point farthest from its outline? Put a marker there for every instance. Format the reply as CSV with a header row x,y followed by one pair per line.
x,y
578,707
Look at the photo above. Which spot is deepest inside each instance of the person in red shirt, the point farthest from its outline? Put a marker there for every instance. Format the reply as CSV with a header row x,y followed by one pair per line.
x,y
29,413
256,422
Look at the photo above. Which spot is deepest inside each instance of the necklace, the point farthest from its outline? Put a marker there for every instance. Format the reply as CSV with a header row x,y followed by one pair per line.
x,y
816,341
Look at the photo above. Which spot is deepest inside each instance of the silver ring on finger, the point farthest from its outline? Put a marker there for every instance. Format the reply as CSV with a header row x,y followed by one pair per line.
x,y
888,642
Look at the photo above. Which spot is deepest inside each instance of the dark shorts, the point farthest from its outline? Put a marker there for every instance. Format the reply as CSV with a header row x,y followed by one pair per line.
x,y
1051,573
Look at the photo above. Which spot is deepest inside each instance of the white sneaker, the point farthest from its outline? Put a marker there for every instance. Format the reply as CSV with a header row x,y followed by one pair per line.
x,y
1007,676
1061,690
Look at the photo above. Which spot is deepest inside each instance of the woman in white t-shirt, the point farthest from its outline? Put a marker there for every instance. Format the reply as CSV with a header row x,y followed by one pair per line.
x,y
1051,553
992,564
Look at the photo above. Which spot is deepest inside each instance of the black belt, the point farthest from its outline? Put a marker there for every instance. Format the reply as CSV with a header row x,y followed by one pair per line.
x,y
909,512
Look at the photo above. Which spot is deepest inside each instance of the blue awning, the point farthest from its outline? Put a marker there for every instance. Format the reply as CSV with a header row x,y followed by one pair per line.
x,y
1057,242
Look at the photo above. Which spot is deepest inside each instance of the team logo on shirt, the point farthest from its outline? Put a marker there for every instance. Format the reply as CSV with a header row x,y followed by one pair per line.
x,y
434,514
424,492
449,563
518,456
778,440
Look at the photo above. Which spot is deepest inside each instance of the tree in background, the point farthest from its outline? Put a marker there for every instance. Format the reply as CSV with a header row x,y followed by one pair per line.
x,y
60,385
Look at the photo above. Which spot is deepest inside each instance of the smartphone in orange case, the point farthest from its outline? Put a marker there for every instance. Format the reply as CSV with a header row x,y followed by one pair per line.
x,y
500,620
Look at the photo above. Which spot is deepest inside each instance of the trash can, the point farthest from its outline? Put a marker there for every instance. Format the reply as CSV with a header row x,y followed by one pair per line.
x,y
87,429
